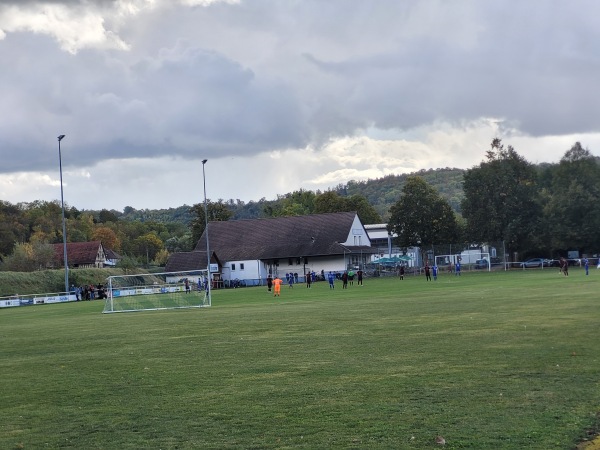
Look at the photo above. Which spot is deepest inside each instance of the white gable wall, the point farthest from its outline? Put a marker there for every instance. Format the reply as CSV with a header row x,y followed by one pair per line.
x,y
357,235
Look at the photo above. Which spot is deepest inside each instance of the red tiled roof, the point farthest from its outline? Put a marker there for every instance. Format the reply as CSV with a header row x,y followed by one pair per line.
x,y
78,253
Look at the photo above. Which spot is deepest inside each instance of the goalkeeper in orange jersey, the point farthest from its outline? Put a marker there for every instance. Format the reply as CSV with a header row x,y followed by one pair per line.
x,y
277,286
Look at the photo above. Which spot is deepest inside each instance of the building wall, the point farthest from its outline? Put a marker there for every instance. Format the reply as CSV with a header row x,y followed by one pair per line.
x,y
241,270
256,272
357,235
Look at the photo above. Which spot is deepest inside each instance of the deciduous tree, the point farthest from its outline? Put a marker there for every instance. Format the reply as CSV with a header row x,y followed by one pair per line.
x,y
217,211
331,201
421,217
28,256
573,206
501,199
108,237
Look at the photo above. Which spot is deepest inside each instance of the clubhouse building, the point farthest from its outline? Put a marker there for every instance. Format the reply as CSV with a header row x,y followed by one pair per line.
x,y
251,249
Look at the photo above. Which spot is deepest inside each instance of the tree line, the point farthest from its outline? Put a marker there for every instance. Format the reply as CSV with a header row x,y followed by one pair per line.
x,y
28,230
543,209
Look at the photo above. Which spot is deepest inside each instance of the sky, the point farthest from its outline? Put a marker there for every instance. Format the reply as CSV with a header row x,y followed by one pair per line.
x,y
281,95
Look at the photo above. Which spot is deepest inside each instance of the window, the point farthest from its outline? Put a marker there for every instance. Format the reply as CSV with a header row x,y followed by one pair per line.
x,y
232,266
241,266
356,240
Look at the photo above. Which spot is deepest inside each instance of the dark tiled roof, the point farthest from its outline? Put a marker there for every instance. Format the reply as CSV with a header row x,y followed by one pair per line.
x,y
186,261
281,237
111,254
196,260
78,253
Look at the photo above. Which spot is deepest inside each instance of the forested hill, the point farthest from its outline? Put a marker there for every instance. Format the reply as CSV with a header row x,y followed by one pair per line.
x,y
381,193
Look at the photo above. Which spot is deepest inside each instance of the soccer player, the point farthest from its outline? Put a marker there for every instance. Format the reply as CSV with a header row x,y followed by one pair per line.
x,y
277,286
427,272
331,279
434,270
457,269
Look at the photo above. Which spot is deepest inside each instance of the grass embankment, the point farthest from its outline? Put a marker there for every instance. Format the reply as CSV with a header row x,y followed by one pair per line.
x,y
485,360
46,281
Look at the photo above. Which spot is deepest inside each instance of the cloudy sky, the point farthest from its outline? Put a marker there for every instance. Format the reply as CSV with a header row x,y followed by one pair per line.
x,y
280,95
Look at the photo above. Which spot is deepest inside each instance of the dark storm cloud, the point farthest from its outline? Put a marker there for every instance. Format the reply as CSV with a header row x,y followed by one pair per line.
x,y
239,79
185,101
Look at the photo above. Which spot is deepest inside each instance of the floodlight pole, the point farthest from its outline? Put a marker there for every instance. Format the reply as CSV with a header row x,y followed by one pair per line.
x,y
208,281
64,227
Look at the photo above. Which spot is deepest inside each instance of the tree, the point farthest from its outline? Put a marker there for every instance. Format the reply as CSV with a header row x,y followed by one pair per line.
x,y
331,201
27,257
161,258
12,227
421,217
217,211
501,199
45,219
366,212
128,264
107,216
572,210
108,237
80,229
181,243
297,203
147,246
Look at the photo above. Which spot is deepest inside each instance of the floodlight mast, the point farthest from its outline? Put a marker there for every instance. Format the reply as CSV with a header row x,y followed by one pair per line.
x,y
64,227
208,275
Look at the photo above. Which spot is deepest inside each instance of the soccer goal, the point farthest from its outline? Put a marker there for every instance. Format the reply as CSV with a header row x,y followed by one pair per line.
x,y
153,291
479,260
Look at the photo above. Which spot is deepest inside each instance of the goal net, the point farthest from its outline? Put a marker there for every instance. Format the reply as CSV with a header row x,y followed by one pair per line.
x,y
473,260
153,291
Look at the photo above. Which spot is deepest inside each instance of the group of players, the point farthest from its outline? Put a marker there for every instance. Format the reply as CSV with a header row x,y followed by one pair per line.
x,y
347,277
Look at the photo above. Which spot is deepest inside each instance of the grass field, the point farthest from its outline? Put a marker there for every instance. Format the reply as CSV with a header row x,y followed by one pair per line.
x,y
500,360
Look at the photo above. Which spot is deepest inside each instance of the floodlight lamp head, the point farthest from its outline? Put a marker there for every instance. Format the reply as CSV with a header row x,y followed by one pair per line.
x,y
204,161
60,138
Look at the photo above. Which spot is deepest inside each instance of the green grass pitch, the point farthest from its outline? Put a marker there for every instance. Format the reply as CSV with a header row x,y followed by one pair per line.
x,y
487,360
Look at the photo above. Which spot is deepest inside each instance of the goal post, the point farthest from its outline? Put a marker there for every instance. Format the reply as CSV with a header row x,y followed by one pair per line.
x,y
155,291
479,260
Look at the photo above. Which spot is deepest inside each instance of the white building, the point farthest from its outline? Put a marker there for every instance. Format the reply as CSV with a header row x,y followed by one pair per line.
x,y
251,249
